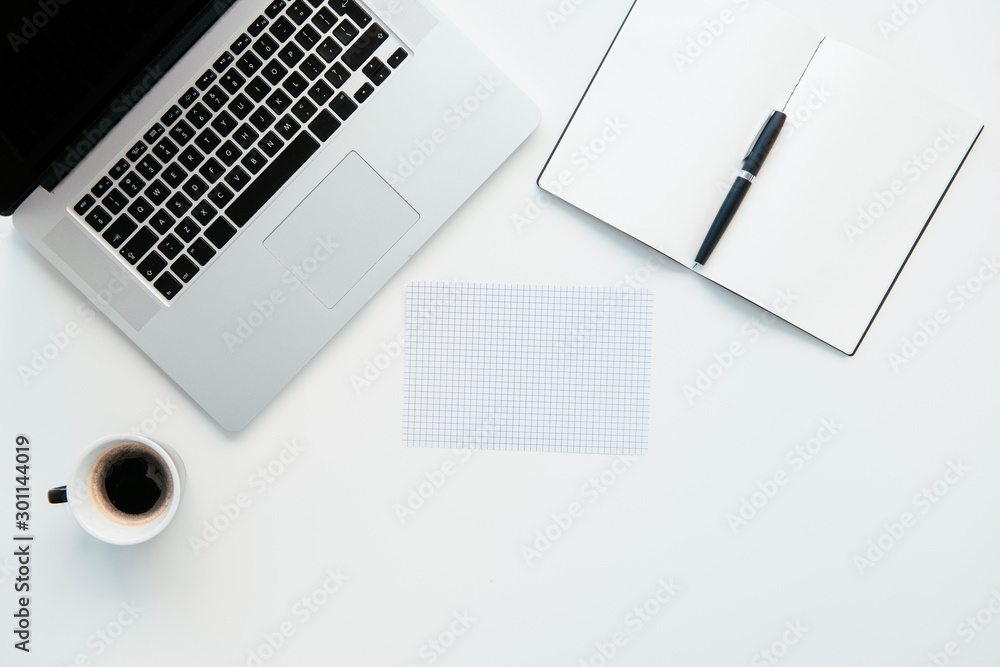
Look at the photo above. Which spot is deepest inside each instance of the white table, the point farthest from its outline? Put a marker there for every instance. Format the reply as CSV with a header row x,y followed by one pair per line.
x,y
806,509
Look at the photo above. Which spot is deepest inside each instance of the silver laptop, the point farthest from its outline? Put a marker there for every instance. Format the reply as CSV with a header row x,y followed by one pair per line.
x,y
231,182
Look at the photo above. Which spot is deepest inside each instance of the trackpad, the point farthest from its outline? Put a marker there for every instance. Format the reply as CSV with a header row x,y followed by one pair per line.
x,y
341,229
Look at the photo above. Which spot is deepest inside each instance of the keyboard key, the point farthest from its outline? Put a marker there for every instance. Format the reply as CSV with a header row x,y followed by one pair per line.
x,y
219,232
187,229
141,209
153,133
287,127
148,167
343,106
304,109
212,170
161,221
337,75
198,115
271,144
240,44
203,213
138,245
201,251
150,267
224,123
101,187
220,195
84,204
295,84
120,230
136,151
324,125
188,98
205,80
184,268
170,246
397,57
157,192
182,133
132,185
271,179
364,92
324,20
229,153
178,205
312,67
168,286
290,54
254,161
320,92
345,32
195,187
241,106
245,136
279,101
165,150
274,72
307,37
207,140
237,178
265,46
376,71
191,158
258,89
274,8
223,62
249,63
174,175
351,8
357,55
173,113
262,118
282,29
299,12
329,49
98,218
215,98
232,81
258,26
115,201
119,169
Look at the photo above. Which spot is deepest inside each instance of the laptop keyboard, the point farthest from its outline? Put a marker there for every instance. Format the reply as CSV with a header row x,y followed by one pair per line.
x,y
180,194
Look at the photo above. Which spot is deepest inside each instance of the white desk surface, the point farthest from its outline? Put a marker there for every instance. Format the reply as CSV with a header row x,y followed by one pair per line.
x,y
319,568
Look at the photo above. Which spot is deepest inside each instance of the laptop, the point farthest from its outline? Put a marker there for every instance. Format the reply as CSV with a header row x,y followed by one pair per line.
x,y
230,182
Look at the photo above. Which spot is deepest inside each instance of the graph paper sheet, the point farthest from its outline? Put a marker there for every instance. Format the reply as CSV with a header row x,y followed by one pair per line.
x,y
533,368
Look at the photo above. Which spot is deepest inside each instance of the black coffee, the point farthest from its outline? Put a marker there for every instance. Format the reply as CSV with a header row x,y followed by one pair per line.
x,y
131,483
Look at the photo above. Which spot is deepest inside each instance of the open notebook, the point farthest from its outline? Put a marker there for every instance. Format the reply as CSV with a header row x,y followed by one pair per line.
x,y
861,165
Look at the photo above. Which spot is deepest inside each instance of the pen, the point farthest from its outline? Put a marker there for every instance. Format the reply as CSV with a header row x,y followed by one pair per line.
x,y
752,161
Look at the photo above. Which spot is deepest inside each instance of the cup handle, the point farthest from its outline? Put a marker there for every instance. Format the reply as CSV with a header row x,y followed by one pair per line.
x,y
57,495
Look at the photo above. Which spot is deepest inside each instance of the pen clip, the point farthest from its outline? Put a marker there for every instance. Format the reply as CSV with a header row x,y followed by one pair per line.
x,y
753,144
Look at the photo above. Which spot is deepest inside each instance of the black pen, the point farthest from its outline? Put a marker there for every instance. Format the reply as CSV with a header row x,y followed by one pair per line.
x,y
752,161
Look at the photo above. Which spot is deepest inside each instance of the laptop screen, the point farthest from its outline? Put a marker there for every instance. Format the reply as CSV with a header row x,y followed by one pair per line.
x,y
69,69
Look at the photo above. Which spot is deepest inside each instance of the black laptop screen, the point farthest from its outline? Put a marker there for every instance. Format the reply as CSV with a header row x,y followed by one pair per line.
x,y
66,64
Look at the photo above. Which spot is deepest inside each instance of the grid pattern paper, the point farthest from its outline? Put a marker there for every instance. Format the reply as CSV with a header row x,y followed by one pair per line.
x,y
523,367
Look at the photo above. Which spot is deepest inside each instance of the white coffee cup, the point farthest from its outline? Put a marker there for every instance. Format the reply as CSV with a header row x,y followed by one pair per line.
x,y
124,489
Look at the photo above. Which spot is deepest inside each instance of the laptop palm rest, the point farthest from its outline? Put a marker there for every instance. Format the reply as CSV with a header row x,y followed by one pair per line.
x,y
341,229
